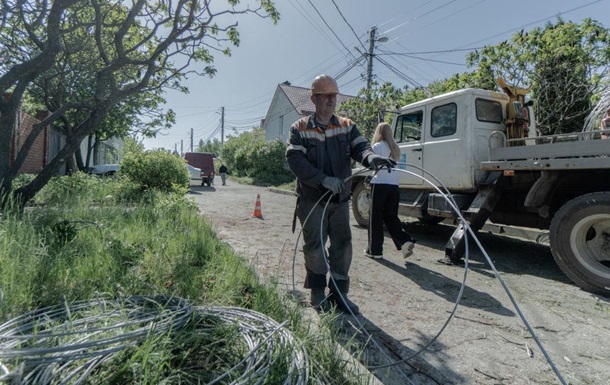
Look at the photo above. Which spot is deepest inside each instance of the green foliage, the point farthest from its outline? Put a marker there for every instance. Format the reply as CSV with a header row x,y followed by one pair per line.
x,y
561,63
102,67
250,155
365,108
156,169
132,145
211,146
22,180
65,188
160,246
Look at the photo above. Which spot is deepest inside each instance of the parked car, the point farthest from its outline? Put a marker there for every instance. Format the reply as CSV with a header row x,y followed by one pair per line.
x,y
104,169
194,172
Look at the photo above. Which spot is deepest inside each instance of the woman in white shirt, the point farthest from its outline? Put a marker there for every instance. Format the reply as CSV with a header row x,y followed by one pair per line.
x,y
385,200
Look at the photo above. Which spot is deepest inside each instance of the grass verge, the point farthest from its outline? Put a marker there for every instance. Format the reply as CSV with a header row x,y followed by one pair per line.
x,y
102,239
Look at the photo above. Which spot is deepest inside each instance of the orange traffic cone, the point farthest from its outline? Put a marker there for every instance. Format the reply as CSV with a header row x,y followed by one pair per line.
x,y
257,209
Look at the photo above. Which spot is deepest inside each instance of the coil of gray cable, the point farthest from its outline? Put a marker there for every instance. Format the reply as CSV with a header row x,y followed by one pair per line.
x,y
65,344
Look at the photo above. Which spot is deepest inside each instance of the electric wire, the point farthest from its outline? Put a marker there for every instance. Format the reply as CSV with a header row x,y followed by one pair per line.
x,y
64,344
348,24
331,30
465,226
328,196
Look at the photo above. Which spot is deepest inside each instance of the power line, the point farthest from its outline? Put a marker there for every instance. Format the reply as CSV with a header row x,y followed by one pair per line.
x,y
400,74
331,30
313,23
421,58
432,52
534,22
348,24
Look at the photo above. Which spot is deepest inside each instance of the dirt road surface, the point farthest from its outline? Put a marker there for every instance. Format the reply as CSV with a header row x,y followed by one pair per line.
x,y
404,307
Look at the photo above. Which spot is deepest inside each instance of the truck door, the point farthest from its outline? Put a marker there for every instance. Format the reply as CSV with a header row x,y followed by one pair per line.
x,y
408,134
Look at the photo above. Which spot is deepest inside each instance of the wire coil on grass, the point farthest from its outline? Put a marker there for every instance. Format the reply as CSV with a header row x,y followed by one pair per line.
x,y
66,344
268,343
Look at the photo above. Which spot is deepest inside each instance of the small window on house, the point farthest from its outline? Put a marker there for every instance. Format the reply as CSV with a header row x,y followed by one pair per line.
x,y
443,120
409,127
488,111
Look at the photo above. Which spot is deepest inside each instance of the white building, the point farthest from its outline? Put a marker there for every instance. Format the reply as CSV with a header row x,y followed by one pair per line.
x,y
289,104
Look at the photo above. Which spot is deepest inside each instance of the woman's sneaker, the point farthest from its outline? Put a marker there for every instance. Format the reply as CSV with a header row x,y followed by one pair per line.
x,y
407,249
369,255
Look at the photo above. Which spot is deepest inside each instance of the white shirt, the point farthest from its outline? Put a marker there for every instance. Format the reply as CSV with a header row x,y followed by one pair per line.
x,y
383,176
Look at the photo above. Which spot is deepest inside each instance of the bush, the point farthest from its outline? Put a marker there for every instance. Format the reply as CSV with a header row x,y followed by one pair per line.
x,y
21,180
156,169
270,164
250,155
64,188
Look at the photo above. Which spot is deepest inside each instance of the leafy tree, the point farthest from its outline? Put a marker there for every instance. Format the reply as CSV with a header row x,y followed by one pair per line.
x,y
365,109
562,64
212,146
250,155
141,49
459,82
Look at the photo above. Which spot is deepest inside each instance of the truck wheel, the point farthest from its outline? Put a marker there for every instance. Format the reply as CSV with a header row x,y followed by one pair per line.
x,y
361,203
580,241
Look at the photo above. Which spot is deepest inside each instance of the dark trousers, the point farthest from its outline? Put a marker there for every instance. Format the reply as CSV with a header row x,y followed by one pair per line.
x,y
317,229
384,210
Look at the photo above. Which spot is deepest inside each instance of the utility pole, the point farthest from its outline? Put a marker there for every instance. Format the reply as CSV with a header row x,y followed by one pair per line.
x,y
191,140
222,125
371,54
181,147
369,67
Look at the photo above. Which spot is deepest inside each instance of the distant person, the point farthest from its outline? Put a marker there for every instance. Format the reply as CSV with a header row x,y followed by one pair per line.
x,y
223,173
384,209
605,124
319,153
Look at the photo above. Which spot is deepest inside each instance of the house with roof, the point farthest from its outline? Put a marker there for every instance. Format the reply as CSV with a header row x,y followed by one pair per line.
x,y
289,104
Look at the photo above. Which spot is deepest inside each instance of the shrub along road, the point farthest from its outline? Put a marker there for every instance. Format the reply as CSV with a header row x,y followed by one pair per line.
x,y
405,307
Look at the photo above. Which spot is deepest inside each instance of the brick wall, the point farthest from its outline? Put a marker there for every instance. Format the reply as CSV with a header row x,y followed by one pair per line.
x,y
37,156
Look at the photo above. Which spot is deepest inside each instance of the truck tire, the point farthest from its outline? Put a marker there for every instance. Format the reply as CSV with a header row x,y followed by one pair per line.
x,y
580,241
361,204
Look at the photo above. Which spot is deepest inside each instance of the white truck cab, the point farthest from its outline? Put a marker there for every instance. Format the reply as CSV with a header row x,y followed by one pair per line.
x,y
449,136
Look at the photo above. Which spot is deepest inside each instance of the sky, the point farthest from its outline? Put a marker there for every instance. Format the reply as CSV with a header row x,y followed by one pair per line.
x,y
427,40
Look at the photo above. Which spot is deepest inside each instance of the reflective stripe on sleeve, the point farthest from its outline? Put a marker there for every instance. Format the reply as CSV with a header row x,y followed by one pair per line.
x,y
357,141
296,147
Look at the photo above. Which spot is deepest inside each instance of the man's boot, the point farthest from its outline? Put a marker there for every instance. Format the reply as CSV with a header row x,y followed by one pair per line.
x,y
319,301
338,296
317,284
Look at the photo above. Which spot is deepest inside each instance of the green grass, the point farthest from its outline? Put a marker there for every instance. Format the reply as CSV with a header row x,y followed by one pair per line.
x,y
93,237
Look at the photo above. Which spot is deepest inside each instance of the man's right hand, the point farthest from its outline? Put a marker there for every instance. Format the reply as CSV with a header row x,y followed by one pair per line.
x,y
335,185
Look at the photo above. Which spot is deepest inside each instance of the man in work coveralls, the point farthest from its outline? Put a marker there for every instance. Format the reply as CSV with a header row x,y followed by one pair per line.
x,y
319,153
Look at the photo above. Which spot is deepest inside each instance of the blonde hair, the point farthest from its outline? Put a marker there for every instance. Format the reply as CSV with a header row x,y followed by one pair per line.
x,y
383,132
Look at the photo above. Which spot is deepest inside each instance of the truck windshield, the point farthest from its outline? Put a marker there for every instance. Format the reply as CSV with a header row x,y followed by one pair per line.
x,y
408,127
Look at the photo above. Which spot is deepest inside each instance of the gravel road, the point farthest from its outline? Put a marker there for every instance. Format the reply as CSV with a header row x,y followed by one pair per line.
x,y
404,307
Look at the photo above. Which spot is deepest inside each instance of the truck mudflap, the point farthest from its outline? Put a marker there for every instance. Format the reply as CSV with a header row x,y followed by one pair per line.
x,y
477,214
